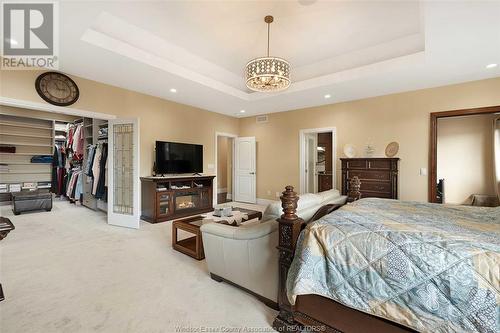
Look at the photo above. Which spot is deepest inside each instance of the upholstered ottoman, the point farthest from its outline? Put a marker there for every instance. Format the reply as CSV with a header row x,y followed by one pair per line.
x,y
31,200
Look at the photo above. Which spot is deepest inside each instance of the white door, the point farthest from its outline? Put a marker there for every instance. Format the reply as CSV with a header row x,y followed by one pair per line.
x,y
244,170
123,171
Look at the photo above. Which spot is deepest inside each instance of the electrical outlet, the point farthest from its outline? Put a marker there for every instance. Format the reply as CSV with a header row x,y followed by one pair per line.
x,y
210,166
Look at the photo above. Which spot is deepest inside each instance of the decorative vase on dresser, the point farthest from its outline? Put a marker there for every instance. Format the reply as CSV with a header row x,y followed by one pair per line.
x,y
378,176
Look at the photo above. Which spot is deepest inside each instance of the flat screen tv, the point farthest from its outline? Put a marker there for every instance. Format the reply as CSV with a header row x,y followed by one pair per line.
x,y
175,158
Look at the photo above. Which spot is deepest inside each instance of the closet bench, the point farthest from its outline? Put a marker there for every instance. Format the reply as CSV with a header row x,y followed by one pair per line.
x,y
25,201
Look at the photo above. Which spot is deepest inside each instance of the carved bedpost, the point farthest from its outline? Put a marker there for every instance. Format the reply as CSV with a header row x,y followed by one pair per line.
x,y
354,189
289,229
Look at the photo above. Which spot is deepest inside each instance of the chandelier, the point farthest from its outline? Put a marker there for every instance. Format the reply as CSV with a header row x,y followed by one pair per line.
x,y
267,74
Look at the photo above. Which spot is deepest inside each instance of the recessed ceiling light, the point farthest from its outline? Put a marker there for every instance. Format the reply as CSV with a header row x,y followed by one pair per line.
x,y
491,65
173,90
328,96
242,111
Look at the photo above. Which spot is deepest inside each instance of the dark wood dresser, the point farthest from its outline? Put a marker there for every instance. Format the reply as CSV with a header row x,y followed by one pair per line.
x,y
379,176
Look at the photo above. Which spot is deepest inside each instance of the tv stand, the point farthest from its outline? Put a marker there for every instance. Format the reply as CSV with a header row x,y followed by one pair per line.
x,y
196,174
169,198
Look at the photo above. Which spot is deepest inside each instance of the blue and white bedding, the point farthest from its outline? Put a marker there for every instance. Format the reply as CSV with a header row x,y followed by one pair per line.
x,y
429,267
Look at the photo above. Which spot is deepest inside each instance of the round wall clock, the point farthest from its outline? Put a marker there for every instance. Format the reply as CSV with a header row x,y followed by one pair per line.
x,y
57,88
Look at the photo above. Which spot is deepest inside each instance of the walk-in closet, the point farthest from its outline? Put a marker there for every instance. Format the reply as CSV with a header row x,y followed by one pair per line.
x,y
49,152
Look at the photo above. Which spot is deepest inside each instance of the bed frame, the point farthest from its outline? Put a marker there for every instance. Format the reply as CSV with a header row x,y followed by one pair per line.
x,y
314,312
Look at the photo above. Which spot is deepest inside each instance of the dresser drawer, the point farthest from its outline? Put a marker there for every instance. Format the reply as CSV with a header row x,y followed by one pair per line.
x,y
379,164
369,175
384,187
368,194
357,164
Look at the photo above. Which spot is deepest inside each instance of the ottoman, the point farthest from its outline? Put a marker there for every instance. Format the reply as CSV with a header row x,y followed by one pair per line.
x,y
31,200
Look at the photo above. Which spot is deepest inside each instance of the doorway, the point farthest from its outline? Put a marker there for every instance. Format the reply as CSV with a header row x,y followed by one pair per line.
x,y
317,160
437,189
224,172
235,168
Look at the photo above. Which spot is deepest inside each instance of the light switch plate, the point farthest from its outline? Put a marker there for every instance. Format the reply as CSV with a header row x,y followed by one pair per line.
x,y
423,171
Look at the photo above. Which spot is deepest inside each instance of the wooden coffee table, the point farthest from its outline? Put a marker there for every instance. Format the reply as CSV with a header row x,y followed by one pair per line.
x,y
193,246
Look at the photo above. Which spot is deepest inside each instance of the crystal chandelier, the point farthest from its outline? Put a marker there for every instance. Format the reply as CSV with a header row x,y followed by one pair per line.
x,y
267,74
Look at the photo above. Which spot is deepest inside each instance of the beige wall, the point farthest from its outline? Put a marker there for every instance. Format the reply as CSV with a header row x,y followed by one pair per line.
x,y
465,157
159,119
400,117
35,114
222,142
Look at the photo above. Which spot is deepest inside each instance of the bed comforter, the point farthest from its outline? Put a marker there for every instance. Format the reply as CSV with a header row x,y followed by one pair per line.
x,y
429,267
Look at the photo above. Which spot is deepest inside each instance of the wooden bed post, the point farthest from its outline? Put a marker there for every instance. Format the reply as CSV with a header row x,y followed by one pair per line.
x,y
290,226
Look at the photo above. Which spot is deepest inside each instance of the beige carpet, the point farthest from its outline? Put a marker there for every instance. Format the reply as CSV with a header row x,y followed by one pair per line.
x,y
68,271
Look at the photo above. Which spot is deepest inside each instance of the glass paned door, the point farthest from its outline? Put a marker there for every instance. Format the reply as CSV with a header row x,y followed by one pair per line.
x,y
123,202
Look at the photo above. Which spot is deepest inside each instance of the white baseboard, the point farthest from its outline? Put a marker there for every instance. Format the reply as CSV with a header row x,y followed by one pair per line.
x,y
221,190
266,202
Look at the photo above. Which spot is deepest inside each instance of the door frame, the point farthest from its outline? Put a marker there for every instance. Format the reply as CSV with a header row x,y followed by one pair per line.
x,y
315,160
214,186
434,117
302,157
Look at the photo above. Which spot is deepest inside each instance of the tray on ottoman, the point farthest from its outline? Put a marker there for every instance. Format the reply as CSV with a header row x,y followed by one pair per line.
x,y
25,201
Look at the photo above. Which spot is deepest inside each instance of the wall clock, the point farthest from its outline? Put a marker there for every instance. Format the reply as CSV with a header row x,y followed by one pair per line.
x,y
57,88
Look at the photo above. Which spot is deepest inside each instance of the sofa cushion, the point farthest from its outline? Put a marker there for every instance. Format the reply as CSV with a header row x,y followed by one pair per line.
x,y
327,196
306,203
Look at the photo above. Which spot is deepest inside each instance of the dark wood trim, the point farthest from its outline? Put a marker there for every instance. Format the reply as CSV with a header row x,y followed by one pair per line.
x,y
290,226
272,304
432,186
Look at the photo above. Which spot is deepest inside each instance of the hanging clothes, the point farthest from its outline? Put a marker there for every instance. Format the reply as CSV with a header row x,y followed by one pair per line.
x,y
77,142
58,171
90,160
96,168
101,190
79,186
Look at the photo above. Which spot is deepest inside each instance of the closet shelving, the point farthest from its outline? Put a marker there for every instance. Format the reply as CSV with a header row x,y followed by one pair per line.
x,y
29,137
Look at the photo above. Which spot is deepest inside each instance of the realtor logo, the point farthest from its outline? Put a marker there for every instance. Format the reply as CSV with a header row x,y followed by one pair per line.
x,y
29,35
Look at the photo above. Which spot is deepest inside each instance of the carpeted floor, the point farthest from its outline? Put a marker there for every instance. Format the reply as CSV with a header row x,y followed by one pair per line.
x,y
68,271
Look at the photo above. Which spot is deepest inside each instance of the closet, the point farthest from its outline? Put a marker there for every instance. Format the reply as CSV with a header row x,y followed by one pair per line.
x,y
25,144
69,158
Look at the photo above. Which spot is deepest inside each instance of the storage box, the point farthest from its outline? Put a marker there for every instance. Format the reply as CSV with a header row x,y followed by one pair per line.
x,y
15,188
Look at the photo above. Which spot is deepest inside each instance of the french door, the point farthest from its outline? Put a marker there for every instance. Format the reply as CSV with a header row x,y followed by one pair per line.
x,y
123,171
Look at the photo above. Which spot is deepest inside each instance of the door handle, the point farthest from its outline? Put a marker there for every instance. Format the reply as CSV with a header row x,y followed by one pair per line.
x,y
252,173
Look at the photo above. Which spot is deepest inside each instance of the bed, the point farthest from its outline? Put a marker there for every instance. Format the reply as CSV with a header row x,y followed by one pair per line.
x,y
380,265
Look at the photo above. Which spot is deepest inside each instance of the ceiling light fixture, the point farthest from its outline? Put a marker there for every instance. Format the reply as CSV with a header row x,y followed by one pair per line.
x,y
242,111
491,66
173,90
328,96
267,74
